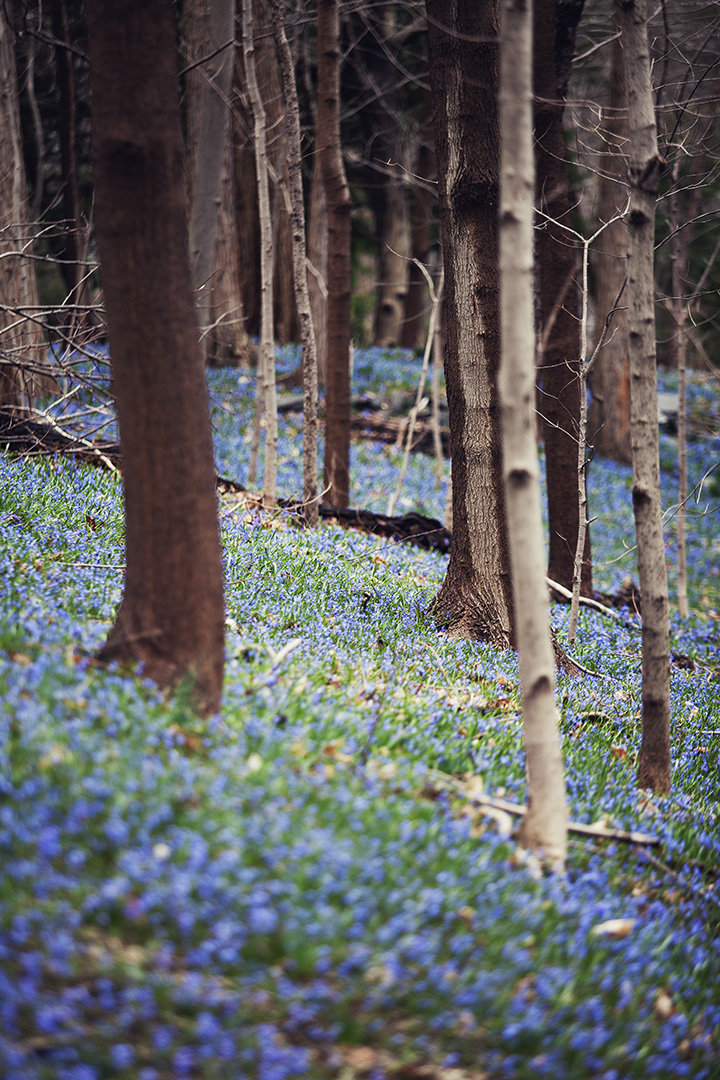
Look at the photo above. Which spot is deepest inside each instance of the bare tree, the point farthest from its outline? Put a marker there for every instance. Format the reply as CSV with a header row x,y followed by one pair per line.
x,y
644,172
475,599
20,339
267,322
209,29
171,618
543,829
300,273
337,375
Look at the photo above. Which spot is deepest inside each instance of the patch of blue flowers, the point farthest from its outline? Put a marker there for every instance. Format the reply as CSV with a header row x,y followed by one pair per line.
x,y
263,895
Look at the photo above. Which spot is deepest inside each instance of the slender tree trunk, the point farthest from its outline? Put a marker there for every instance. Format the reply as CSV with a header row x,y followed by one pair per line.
x,y
300,274
609,426
559,397
337,375
475,599
416,303
228,340
644,171
20,339
171,618
74,253
267,324
318,263
544,827
393,237
679,243
208,26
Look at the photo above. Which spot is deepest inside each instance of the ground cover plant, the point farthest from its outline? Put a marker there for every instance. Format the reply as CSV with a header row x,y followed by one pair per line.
x,y
307,885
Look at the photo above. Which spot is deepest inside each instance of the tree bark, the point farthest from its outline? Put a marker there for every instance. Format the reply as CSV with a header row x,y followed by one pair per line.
x,y
171,618
267,321
609,425
644,171
559,375
21,340
417,300
475,599
300,273
337,375
208,26
544,827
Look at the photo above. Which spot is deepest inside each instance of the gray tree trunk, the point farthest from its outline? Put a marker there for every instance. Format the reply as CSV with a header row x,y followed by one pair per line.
x,y
644,172
543,830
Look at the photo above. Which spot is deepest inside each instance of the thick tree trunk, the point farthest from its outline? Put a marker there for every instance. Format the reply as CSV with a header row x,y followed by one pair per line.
x,y
475,599
208,26
171,618
21,341
300,273
644,172
228,341
337,375
609,425
543,828
393,237
559,397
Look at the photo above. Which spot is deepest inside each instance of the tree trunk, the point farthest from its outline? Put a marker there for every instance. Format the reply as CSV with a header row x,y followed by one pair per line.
x,y
228,341
543,829
171,618
337,376
475,599
643,173
208,26
267,322
318,263
559,396
74,252
393,238
21,340
417,301
285,313
300,273
609,426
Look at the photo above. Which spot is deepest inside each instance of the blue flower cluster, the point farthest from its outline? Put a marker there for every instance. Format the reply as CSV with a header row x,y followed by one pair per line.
x,y
299,887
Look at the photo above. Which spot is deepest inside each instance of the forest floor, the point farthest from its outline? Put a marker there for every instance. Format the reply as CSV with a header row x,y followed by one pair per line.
x,y
310,884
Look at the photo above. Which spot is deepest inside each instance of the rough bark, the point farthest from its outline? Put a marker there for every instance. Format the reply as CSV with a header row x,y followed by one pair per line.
x,y
559,375
643,174
300,274
171,618
609,425
208,26
337,375
475,599
20,338
543,828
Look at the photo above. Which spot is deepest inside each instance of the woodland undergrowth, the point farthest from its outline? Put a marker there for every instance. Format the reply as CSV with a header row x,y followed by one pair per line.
x,y
309,885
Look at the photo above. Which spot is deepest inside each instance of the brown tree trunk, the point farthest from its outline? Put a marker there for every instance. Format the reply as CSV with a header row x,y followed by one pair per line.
x,y
74,252
609,425
644,172
21,342
423,200
228,342
337,375
393,238
171,618
475,599
318,263
559,396
207,28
